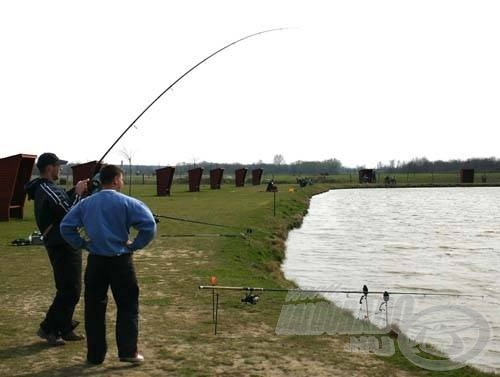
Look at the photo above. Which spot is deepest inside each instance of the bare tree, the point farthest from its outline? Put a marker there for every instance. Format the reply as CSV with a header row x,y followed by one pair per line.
x,y
128,155
278,159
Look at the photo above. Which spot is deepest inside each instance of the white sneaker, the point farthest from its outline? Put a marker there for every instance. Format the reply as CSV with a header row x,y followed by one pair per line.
x,y
137,359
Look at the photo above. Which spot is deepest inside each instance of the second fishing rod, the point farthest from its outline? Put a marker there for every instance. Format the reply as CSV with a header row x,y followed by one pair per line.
x,y
241,230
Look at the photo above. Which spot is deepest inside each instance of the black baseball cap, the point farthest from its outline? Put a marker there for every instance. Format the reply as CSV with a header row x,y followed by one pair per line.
x,y
46,159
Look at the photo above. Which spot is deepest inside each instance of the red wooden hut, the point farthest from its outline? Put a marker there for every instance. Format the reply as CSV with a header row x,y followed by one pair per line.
x,y
467,176
85,171
15,172
257,176
195,179
216,178
164,179
239,177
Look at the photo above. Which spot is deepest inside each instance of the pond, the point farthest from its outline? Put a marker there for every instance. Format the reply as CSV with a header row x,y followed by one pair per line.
x,y
440,240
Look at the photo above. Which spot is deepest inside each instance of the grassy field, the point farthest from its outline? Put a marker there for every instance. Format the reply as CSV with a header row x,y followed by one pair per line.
x,y
176,334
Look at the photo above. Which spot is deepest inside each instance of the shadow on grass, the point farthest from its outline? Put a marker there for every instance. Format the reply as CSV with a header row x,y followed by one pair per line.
x,y
81,370
23,350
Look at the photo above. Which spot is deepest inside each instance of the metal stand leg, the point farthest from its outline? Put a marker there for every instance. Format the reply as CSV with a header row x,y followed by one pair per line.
x,y
274,203
216,313
386,316
213,306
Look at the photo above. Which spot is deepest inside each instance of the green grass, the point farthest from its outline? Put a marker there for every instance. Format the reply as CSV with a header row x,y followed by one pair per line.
x,y
176,333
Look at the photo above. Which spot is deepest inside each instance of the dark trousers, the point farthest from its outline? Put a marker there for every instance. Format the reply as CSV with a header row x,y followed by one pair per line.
x,y
119,273
67,267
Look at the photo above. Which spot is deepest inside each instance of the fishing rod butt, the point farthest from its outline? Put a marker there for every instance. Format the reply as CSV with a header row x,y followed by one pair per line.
x,y
206,287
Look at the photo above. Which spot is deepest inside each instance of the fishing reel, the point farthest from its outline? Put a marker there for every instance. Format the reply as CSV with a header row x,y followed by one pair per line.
x,y
365,294
364,298
386,300
94,185
250,298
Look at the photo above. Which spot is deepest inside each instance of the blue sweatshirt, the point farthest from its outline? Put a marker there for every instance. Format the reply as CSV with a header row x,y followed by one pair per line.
x,y
107,217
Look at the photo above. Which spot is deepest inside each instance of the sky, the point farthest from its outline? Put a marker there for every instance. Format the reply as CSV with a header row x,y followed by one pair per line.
x,y
360,81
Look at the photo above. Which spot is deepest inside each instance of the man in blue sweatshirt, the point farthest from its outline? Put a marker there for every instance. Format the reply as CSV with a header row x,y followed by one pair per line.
x,y
107,217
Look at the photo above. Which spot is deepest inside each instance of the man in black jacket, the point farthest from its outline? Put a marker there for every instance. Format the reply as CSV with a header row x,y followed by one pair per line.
x,y
51,205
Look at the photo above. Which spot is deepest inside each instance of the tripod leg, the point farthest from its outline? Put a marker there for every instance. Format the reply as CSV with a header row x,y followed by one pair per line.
x,y
216,312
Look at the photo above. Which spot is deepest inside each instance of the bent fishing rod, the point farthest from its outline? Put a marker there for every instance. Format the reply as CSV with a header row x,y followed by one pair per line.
x,y
94,182
179,79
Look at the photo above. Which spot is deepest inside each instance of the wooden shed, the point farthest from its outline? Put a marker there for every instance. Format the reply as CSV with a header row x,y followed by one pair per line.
x,y
257,176
164,180
467,176
15,172
85,171
216,178
195,179
239,177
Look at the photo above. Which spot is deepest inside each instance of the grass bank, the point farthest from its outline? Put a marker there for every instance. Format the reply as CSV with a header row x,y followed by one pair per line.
x,y
176,334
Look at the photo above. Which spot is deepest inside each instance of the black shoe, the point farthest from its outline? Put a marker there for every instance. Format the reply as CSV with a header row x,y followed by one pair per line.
x,y
72,337
42,334
55,340
94,362
52,339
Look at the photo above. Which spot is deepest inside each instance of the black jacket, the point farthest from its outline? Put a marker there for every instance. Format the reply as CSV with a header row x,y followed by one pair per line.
x,y
52,203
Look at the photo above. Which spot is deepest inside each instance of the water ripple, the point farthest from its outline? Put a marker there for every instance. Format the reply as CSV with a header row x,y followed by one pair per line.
x,y
442,240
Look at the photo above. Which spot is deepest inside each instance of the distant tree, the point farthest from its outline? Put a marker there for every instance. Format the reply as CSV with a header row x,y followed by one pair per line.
x,y
423,165
278,159
128,155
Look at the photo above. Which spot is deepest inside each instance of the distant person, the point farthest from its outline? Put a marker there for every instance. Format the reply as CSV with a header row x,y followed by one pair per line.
x,y
107,217
52,203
